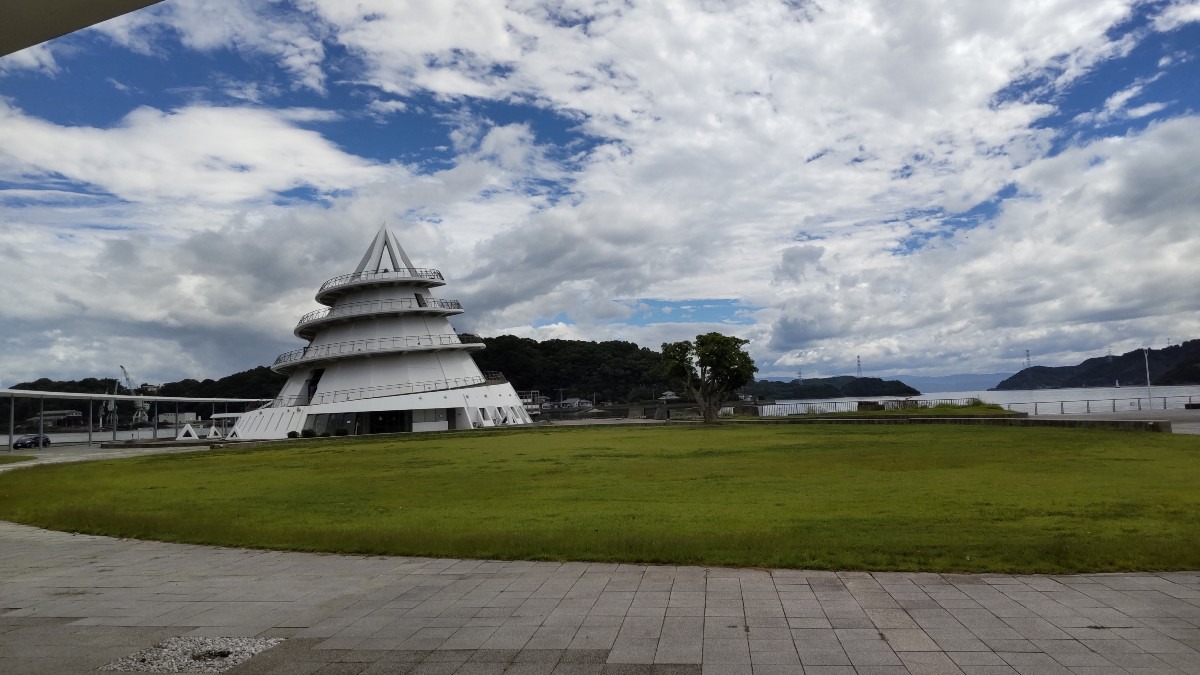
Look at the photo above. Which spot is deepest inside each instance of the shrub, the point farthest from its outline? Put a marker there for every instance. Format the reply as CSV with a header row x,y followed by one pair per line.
x,y
308,433
325,434
293,434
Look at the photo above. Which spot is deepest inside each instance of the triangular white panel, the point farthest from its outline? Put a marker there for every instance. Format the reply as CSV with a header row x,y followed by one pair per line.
x,y
213,432
187,432
384,255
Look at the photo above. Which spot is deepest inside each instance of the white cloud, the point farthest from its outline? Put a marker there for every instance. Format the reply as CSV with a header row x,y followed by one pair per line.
x,y
736,150
1116,106
384,108
200,154
38,58
1094,256
251,27
1177,14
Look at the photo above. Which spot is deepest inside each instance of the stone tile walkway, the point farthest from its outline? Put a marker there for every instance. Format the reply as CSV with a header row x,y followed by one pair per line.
x,y
72,603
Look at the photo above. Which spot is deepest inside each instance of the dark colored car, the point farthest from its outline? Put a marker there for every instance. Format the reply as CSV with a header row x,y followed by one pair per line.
x,y
31,441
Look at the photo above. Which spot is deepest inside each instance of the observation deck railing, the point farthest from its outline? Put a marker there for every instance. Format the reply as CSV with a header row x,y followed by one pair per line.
x,y
377,306
397,389
373,345
389,275
1051,407
1104,405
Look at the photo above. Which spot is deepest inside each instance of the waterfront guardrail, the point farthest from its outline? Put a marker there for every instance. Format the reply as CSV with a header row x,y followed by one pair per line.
x,y
827,407
1103,405
397,389
369,345
400,274
1049,407
376,306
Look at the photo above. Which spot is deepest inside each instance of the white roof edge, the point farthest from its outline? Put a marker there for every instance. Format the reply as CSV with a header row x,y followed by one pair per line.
x,y
31,393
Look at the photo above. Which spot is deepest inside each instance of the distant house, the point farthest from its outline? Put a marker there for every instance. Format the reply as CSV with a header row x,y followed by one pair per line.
x,y
668,396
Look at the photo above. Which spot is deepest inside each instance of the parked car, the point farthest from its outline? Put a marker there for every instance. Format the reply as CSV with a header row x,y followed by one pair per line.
x,y
31,441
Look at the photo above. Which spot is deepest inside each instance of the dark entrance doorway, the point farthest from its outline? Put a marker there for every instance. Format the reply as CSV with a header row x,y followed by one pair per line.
x,y
390,421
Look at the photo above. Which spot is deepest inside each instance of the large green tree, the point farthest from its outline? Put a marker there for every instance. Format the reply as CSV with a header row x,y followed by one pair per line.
x,y
712,368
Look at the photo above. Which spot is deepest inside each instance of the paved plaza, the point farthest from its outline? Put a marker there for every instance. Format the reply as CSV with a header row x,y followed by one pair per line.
x,y
73,603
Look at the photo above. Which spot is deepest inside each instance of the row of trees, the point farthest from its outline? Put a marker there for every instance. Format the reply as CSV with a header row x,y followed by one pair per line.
x,y
611,371
258,382
711,368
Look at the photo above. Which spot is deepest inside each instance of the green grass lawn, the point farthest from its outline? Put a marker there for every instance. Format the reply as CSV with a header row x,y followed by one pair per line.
x,y
6,458
939,498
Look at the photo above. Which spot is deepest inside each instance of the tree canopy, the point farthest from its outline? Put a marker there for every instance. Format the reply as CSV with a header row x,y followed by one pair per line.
x,y
612,371
712,368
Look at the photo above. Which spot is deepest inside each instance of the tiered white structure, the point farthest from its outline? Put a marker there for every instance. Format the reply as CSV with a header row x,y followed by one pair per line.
x,y
383,358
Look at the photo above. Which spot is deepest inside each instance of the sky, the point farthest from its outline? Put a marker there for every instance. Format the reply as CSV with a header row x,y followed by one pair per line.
x,y
933,187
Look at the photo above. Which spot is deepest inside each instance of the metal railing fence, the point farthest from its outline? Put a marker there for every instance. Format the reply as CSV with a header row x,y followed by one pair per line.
x,y
1060,407
376,306
398,275
828,407
1102,405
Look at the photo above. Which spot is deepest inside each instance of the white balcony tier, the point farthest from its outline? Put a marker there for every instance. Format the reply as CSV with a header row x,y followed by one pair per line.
x,y
412,277
311,323
382,390
289,361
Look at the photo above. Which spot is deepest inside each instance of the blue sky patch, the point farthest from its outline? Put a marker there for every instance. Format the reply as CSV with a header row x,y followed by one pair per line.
x,y
706,310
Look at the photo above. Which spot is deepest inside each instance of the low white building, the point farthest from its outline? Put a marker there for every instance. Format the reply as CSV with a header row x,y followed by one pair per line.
x,y
175,418
382,357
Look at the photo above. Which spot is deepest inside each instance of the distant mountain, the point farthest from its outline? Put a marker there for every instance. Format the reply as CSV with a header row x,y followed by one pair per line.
x,y
1177,364
829,387
960,382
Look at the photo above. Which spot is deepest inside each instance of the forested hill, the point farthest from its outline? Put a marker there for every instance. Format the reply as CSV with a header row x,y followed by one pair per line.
x,y
843,386
259,382
610,371
1177,364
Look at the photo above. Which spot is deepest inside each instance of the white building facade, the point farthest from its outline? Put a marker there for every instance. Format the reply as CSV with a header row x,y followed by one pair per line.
x,y
383,358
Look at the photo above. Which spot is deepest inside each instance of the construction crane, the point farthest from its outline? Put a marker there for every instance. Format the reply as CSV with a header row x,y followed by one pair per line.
x,y
139,406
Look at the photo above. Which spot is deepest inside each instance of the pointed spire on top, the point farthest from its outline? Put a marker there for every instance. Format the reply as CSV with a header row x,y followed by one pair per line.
x,y
385,254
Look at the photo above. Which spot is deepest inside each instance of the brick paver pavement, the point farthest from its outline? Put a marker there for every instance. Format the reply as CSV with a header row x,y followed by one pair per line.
x,y
72,603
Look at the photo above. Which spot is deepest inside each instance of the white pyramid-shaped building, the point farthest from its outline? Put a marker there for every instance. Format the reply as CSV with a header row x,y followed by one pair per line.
x,y
383,358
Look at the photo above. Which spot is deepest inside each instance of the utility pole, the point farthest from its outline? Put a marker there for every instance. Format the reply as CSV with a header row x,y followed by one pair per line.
x,y
1028,363
800,375
1146,358
858,359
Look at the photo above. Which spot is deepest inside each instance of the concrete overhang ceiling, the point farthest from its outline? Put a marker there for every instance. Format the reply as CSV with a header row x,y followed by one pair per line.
x,y
25,23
